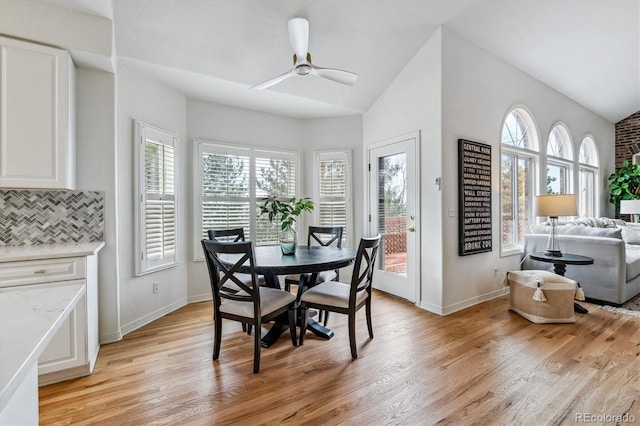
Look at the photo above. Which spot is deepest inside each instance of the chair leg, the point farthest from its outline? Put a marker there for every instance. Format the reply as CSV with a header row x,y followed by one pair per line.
x,y
217,338
249,327
292,326
244,327
352,334
256,350
304,317
368,312
326,318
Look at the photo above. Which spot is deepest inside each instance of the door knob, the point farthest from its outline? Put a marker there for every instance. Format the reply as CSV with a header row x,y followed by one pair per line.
x,y
411,229
412,217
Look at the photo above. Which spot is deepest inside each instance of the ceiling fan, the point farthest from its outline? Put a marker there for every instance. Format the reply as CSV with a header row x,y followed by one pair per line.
x,y
299,37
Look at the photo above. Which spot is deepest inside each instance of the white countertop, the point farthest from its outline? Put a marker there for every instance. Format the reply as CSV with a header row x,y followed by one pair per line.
x,y
29,318
48,251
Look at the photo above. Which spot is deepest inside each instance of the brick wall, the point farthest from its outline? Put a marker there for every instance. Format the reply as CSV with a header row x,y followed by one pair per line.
x,y
627,138
395,240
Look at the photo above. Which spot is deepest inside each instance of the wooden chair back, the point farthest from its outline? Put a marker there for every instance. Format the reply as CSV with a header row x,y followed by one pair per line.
x,y
226,235
325,236
364,267
220,274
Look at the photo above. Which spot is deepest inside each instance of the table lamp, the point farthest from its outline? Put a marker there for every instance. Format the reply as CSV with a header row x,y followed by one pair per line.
x,y
631,207
554,206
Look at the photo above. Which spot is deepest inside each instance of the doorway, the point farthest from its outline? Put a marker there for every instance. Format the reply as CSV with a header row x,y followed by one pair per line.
x,y
394,204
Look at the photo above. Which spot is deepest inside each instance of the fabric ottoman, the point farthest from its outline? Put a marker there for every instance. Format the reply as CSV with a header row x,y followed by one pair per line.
x,y
541,296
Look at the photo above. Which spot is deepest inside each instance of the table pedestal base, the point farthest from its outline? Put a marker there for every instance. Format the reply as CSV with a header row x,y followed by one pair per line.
x,y
579,309
282,325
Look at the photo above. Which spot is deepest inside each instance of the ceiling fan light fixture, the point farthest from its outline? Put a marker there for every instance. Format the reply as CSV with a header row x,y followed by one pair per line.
x,y
302,65
303,69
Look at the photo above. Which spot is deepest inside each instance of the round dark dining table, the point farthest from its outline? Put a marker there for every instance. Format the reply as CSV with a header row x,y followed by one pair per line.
x,y
307,261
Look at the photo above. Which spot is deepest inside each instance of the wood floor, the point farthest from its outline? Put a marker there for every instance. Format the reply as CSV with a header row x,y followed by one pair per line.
x,y
483,365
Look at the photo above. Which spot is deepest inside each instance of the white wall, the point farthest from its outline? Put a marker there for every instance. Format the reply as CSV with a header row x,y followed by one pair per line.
x,y
140,98
338,134
96,160
412,102
478,91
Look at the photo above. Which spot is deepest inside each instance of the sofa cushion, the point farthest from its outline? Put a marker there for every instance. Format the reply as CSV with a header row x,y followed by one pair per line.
x,y
632,261
595,222
579,230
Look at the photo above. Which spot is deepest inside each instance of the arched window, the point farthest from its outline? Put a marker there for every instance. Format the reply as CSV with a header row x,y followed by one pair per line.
x,y
559,161
588,168
519,152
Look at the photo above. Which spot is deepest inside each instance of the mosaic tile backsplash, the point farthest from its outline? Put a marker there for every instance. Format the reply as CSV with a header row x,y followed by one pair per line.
x,y
50,217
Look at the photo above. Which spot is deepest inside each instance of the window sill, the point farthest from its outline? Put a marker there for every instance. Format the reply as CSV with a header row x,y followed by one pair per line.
x,y
156,269
512,251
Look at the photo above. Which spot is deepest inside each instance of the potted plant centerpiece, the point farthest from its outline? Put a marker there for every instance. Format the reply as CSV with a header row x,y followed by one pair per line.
x,y
287,212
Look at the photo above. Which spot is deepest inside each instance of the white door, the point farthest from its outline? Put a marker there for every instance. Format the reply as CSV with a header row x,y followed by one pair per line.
x,y
394,214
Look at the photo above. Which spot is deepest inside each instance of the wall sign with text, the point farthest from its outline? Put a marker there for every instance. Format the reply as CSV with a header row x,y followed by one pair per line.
x,y
474,197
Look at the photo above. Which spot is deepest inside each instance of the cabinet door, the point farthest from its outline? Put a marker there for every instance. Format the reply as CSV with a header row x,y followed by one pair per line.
x,y
68,349
36,140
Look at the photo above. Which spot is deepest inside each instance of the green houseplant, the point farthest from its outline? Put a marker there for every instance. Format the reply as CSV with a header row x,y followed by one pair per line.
x,y
286,212
625,184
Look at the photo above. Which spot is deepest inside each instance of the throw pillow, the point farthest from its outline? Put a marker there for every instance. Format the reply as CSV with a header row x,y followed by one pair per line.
x,y
630,235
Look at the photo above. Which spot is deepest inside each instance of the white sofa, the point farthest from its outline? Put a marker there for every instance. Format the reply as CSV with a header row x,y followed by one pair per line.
x,y
614,276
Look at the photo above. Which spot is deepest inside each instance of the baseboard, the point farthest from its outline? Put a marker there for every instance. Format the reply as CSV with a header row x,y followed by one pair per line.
x,y
62,375
134,325
434,309
447,310
200,298
463,304
116,336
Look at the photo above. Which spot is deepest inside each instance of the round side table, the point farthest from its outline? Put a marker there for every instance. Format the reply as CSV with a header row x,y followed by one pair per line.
x,y
560,266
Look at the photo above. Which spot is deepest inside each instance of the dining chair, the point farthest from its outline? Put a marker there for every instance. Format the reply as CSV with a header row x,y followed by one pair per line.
x,y
325,236
253,304
234,235
346,298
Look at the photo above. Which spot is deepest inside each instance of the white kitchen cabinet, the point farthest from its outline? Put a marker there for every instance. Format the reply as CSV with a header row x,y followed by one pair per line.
x,y
37,116
73,350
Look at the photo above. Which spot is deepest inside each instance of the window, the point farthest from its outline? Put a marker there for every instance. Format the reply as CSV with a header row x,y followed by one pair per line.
x,y
333,191
559,161
588,171
155,189
231,183
519,147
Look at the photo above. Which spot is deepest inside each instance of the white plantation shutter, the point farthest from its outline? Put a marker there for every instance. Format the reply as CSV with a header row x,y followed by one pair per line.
x,y
275,176
156,194
232,182
225,186
332,193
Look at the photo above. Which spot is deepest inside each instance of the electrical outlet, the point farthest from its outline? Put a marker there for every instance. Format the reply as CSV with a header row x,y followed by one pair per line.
x,y
452,212
156,287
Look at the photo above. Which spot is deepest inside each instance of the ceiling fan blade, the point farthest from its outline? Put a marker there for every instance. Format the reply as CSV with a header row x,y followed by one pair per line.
x,y
274,80
299,36
339,76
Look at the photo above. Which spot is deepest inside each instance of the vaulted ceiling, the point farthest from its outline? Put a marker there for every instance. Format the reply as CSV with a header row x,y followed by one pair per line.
x,y
589,50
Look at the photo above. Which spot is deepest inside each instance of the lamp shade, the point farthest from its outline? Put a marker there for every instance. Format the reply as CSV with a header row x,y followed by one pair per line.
x,y
629,206
556,205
